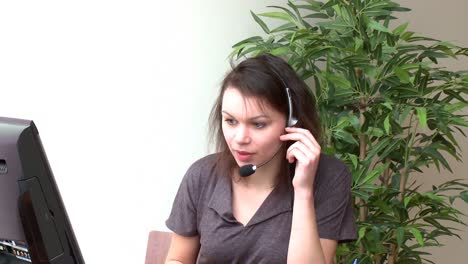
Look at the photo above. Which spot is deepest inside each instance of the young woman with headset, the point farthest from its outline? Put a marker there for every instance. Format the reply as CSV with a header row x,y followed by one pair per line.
x,y
268,195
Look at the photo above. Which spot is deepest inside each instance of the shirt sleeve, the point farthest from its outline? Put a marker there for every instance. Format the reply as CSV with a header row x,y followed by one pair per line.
x,y
183,217
333,203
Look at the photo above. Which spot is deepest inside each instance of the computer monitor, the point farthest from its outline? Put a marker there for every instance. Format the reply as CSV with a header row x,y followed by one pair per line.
x,y
34,225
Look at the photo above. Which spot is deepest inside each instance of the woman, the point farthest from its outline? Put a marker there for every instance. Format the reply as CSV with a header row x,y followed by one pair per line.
x,y
296,204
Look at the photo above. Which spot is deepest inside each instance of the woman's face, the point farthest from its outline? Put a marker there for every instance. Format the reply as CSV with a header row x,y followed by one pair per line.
x,y
251,130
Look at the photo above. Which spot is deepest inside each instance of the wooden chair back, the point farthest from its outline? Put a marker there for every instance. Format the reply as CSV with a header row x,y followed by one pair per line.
x,y
158,246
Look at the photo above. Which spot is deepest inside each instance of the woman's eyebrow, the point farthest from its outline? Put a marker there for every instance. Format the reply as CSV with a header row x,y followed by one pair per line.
x,y
226,113
260,116
252,118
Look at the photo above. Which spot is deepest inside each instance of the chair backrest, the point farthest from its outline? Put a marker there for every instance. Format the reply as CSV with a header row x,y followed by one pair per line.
x,y
158,246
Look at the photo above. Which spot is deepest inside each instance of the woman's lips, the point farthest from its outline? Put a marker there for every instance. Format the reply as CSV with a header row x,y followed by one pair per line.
x,y
243,155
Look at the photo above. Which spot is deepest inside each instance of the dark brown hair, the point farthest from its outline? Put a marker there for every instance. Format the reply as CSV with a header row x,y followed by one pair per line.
x,y
264,77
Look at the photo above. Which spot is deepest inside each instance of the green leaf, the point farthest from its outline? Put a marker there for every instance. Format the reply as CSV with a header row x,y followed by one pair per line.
x,y
317,15
354,159
374,174
339,81
464,196
394,144
417,234
278,15
312,7
422,116
446,44
374,131
407,35
377,26
400,236
290,15
398,9
313,3
377,147
345,136
400,29
455,107
435,223
362,232
377,12
412,66
388,105
434,197
383,206
459,121
330,3
363,195
402,74
358,42
260,22
248,40
455,95
280,50
404,114
437,157
387,124
334,25
285,27
407,200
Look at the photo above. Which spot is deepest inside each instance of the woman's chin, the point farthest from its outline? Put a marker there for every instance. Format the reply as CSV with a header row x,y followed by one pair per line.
x,y
242,163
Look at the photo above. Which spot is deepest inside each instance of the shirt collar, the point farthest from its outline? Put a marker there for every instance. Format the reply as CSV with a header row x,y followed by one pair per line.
x,y
277,202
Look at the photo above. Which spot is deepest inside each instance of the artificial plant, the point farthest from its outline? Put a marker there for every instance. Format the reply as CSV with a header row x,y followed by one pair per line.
x,y
388,109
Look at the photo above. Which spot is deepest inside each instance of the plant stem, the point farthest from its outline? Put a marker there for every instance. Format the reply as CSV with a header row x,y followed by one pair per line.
x,y
394,248
392,254
401,196
362,157
386,175
378,258
404,171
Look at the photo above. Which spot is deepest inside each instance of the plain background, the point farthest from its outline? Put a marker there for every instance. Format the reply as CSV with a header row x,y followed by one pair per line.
x,y
121,91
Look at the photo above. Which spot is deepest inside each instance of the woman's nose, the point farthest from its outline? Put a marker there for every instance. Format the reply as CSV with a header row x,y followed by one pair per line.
x,y
242,135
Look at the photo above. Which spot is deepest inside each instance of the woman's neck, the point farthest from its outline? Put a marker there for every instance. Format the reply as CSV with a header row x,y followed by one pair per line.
x,y
265,177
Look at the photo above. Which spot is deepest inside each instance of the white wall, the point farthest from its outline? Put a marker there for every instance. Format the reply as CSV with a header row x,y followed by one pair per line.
x,y
120,92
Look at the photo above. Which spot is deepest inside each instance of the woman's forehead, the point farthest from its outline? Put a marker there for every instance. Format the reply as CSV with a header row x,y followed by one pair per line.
x,y
235,101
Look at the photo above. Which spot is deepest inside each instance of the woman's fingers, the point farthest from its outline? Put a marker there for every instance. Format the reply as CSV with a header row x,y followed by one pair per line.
x,y
302,153
300,135
306,151
296,153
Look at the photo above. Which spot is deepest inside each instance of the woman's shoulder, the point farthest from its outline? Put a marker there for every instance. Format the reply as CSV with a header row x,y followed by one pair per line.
x,y
206,163
332,169
202,169
200,178
333,161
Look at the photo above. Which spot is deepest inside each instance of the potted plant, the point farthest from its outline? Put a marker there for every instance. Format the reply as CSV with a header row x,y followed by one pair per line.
x,y
387,108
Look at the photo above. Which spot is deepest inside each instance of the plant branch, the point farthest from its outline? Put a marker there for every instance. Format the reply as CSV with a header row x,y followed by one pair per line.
x,y
362,157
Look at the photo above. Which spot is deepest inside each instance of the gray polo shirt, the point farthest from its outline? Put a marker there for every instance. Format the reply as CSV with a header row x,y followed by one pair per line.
x,y
203,206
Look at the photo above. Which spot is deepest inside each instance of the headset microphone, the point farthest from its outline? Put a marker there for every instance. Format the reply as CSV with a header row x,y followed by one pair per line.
x,y
250,169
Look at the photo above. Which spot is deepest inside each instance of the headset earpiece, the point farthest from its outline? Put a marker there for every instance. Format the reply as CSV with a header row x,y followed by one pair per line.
x,y
292,121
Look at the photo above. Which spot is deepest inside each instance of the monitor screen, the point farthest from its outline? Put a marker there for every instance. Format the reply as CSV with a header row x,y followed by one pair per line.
x,y
34,225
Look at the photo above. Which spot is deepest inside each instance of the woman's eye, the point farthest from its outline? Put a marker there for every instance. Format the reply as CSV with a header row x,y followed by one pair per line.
x,y
230,121
259,124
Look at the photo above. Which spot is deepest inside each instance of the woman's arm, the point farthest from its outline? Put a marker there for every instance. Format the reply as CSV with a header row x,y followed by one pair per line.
x,y
305,245
183,250
329,249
